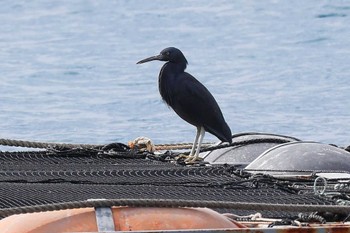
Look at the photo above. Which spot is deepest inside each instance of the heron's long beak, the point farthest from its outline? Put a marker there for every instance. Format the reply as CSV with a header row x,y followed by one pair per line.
x,y
159,57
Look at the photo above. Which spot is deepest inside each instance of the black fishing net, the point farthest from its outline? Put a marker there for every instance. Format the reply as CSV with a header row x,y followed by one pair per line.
x,y
34,178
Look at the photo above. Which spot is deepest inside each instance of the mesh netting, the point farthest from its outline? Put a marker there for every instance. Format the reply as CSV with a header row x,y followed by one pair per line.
x,y
33,178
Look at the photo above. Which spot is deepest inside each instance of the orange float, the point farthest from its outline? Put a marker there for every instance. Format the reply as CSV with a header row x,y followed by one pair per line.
x,y
124,218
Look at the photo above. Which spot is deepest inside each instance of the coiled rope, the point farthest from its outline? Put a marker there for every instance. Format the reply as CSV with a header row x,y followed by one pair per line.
x,y
175,204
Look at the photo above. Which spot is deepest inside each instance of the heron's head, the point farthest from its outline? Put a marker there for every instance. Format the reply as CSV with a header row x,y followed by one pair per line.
x,y
170,54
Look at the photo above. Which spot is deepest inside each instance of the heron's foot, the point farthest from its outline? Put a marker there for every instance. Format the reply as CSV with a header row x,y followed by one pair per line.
x,y
188,159
181,156
192,159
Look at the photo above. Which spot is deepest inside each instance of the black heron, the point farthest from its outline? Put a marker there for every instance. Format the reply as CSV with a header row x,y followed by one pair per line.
x,y
189,98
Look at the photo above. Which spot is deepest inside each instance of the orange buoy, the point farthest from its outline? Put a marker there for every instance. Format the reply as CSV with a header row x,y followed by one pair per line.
x,y
124,218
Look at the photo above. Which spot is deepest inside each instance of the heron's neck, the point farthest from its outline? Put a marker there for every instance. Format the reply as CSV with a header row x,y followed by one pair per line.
x,y
171,70
167,77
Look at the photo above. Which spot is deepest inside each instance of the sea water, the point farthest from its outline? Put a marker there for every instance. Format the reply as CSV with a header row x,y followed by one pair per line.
x,y
68,68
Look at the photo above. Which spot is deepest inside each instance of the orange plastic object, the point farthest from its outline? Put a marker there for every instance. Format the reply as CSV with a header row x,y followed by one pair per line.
x,y
125,219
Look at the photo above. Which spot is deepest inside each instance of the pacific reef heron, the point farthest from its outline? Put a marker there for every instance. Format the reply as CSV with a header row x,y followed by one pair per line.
x,y
189,98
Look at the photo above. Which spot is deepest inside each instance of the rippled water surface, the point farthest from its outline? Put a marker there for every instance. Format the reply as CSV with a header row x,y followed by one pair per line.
x,y
68,71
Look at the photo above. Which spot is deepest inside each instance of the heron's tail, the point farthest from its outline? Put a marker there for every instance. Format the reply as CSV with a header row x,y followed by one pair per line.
x,y
223,133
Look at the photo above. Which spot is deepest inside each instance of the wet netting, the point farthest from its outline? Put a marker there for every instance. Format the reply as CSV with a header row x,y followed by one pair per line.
x,y
54,176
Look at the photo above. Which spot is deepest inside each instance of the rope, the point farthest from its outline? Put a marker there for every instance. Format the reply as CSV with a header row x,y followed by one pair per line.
x,y
180,146
246,142
175,204
44,145
208,146
65,146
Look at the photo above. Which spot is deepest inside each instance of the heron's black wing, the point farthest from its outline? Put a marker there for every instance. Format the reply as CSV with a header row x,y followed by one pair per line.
x,y
192,101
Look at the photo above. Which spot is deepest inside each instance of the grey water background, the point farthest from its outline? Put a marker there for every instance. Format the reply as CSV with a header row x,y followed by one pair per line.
x,y
68,71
